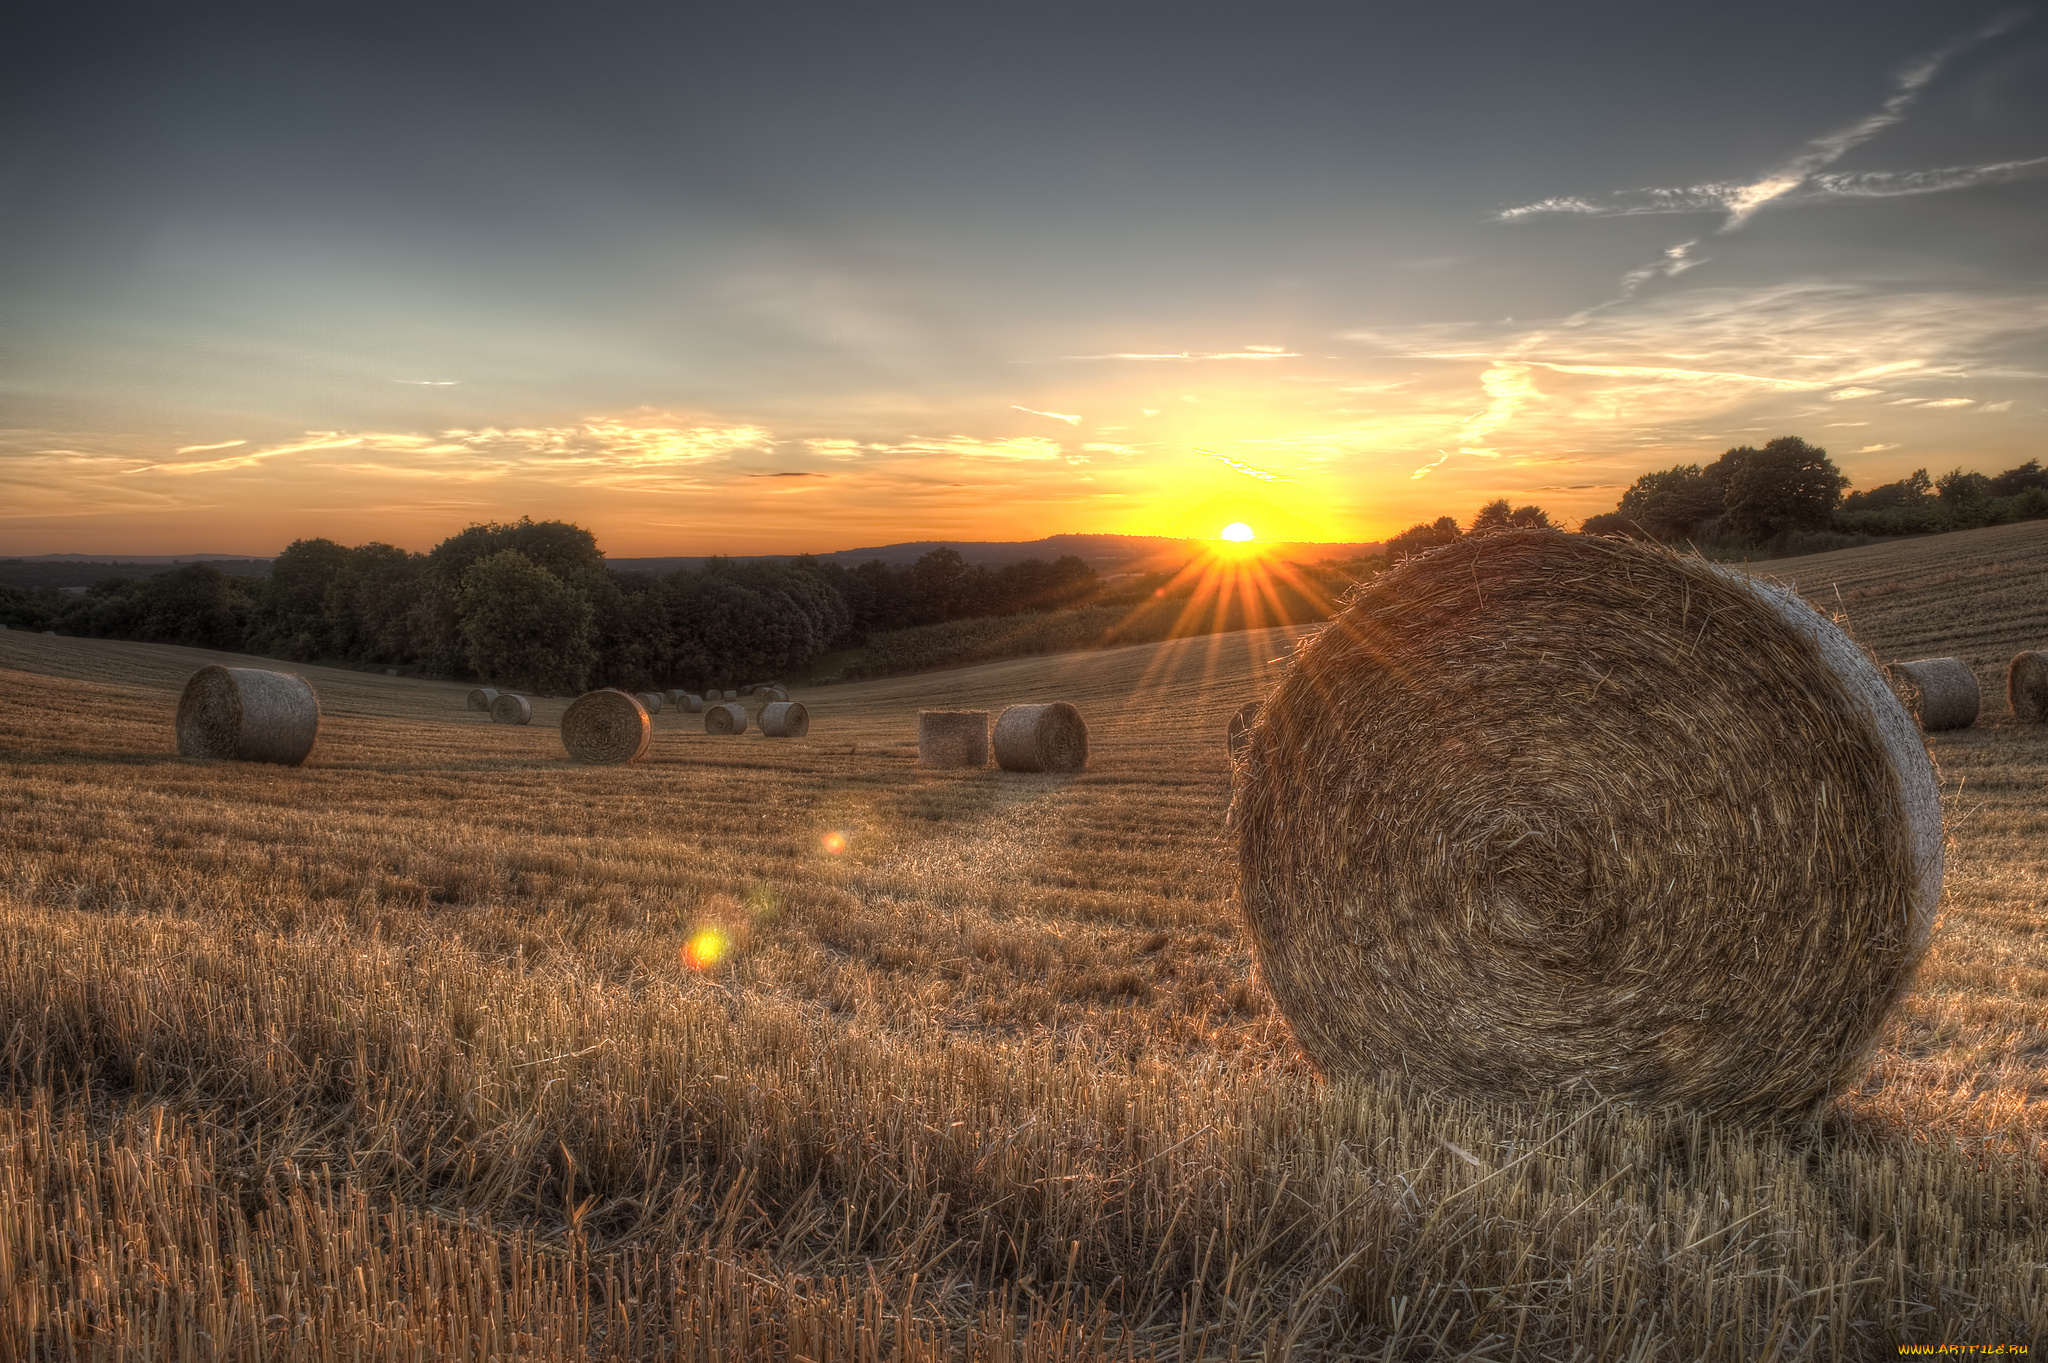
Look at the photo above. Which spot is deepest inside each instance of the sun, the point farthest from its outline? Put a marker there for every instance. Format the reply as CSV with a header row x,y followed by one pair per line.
x,y
1237,532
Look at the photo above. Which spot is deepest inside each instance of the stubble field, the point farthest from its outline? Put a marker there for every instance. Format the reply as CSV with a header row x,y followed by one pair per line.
x,y
445,1046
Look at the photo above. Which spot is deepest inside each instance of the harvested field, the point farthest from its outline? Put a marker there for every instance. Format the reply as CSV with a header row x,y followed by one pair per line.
x,y
903,1055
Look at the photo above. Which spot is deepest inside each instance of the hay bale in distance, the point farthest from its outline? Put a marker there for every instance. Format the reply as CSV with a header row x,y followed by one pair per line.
x,y
1939,692
773,694
606,727
689,704
1049,737
1544,811
1237,733
248,715
511,709
785,719
481,697
713,696
650,701
952,738
726,717
2026,686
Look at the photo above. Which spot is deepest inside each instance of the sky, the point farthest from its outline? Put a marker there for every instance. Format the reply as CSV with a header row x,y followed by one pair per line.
x,y
788,277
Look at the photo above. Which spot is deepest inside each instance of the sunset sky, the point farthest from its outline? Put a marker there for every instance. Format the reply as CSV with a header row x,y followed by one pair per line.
x,y
765,278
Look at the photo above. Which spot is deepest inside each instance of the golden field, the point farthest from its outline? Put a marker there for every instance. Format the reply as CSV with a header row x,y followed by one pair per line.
x,y
427,1049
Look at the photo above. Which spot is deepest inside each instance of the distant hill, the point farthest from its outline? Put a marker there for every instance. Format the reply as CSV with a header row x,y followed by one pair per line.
x,y
1107,554
78,571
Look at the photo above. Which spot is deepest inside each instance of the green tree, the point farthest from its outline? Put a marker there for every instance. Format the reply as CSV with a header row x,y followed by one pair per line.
x,y
292,621
1529,518
1673,503
1493,516
1420,539
1785,486
196,604
524,626
1958,488
2014,481
1910,491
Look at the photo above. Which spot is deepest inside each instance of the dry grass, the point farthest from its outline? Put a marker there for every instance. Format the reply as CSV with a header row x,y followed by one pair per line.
x,y
431,1046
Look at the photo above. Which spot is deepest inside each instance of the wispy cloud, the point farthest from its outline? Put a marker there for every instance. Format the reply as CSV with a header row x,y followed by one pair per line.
x,y
201,449
1803,177
1442,455
1257,352
1263,475
429,383
321,440
1056,416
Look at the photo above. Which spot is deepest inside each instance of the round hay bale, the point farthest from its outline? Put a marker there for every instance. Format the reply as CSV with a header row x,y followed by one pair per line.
x,y
650,701
783,719
726,717
1550,811
1050,737
2026,686
1939,692
606,727
713,696
776,693
689,704
952,738
511,709
248,715
481,698
1237,734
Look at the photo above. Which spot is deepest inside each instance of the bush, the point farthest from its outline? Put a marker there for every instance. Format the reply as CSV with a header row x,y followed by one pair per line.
x,y
525,627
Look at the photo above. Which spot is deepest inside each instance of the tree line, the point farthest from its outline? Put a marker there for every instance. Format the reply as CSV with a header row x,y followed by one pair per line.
x,y
532,605
1786,497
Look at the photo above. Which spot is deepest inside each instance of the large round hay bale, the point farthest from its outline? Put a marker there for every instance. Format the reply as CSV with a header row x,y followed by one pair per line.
x,y
726,717
785,719
1050,737
1939,692
952,738
248,715
481,698
2026,686
511,709
1542,810
606,727
1237,733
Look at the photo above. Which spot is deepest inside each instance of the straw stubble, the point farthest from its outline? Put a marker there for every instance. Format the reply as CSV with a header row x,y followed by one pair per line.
x,y
952,738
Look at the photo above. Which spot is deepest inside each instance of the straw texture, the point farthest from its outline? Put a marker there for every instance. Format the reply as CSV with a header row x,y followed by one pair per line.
x,y
1237,733
689,704
1540,810
1939,692
1050,737
248,715
606,727
650,701
726,717
785,719
481,698
511,709
952,738
2026,686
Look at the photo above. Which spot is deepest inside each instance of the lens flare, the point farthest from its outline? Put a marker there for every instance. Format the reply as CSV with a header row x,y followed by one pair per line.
x,y
1237,532
834,842
705,949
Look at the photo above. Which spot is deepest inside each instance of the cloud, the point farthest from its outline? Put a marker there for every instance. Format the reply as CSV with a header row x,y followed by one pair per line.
x,y
788,475
1846,394
2005,406
1442,455
1646,371
1056,416
1875,449
1247,470
321,440
1950,402
201,449
429,383
1803,177
1257,352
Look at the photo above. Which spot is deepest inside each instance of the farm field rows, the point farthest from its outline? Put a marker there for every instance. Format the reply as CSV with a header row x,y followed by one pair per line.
x,y
445,1045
